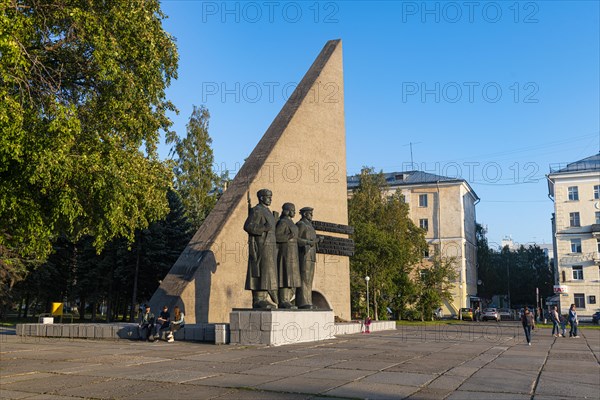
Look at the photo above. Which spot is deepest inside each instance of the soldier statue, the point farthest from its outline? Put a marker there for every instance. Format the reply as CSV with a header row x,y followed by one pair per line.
x,y
307,252
261,277
286,234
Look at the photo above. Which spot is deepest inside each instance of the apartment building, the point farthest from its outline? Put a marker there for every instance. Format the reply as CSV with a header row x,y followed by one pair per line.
x,y
445,208
575,190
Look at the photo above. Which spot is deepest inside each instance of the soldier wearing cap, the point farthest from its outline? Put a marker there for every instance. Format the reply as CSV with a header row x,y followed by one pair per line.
x,y
288,268
307,253
261,277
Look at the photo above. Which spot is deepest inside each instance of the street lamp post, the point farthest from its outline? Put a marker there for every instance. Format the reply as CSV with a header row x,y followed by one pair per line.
x,y
368,308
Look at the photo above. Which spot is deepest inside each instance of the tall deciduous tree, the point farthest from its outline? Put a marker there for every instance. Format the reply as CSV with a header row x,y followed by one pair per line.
x,y
435,283
388,244
82,89
195,180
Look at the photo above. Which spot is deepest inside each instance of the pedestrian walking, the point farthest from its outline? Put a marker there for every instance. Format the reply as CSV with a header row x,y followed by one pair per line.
x,y
573,321
555,321
527,319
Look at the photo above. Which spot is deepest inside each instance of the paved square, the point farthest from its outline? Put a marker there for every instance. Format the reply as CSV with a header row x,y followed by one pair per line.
x,y
459,361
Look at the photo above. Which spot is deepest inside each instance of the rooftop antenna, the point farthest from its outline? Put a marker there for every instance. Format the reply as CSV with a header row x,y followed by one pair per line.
x,y
411,153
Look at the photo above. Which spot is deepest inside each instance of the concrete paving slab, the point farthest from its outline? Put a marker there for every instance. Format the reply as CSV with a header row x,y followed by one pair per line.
x,y
311,361
552,387
260,395
591,378
52,397
462,370
184,392
429,394
464,395
446,382
500,381
365,365
108,389
277,370
51,385
425,366
302,384
13,394
400,378
366,390
234,380
337,374
174,376
24,377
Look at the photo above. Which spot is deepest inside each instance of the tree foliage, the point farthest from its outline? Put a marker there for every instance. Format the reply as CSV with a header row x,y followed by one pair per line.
x,y
82,107
195,179
75,272
434,285
519,271
388,244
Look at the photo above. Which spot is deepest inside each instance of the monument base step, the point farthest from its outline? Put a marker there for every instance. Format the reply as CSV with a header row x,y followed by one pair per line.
x,y
280,327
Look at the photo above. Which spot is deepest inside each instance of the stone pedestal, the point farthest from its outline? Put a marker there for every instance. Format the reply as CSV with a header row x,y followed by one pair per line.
x,y
279,327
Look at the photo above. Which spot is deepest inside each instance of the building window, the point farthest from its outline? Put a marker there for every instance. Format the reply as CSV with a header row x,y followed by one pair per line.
x,y
426,253
596,192
579,300
577,272
598,217
422,200
573,193
592,299
574,219
424,224
575,245
598,245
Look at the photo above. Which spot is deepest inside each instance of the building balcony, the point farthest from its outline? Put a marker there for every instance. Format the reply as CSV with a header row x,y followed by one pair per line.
x,y
596,230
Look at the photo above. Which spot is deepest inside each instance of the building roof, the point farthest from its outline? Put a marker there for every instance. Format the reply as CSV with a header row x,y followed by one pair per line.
x,y
591,163
407,178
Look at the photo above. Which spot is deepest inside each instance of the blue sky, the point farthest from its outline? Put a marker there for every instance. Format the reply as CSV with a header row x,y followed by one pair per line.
x,y
489,91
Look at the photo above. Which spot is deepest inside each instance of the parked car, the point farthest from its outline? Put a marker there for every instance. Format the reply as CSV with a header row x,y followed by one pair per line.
x,y
505,313
466,313
490,313
596,317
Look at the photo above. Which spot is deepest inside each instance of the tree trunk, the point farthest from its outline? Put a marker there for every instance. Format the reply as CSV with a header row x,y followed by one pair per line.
x,y
135,278
375,305
81,308
94,312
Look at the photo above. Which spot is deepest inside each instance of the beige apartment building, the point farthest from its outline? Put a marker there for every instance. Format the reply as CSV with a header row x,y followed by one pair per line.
x,y
445,208
575,190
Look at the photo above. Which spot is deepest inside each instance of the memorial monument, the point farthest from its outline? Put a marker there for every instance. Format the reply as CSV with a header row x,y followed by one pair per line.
x,y
301,159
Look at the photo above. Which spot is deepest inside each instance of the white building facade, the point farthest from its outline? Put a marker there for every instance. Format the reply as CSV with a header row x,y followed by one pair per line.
x,y
575,190
445,209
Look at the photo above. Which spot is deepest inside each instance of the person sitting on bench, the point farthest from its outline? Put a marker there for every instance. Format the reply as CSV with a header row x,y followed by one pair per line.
x,y
176,324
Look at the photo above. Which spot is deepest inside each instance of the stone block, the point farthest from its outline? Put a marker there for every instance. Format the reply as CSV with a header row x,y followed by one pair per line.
x,y
221,334
86,331
244,319
255,319
19,329
54,330
103,332
234,320
209,333
234,337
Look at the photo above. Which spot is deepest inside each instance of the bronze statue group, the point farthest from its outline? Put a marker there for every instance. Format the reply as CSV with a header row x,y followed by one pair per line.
x,y
282,255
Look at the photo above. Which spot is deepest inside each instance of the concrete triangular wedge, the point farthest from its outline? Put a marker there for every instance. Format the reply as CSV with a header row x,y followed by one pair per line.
x,y
302,159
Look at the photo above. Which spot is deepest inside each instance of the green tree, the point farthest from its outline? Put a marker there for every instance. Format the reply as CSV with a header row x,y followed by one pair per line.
x,y
388,244
435,283
195,180
82,89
